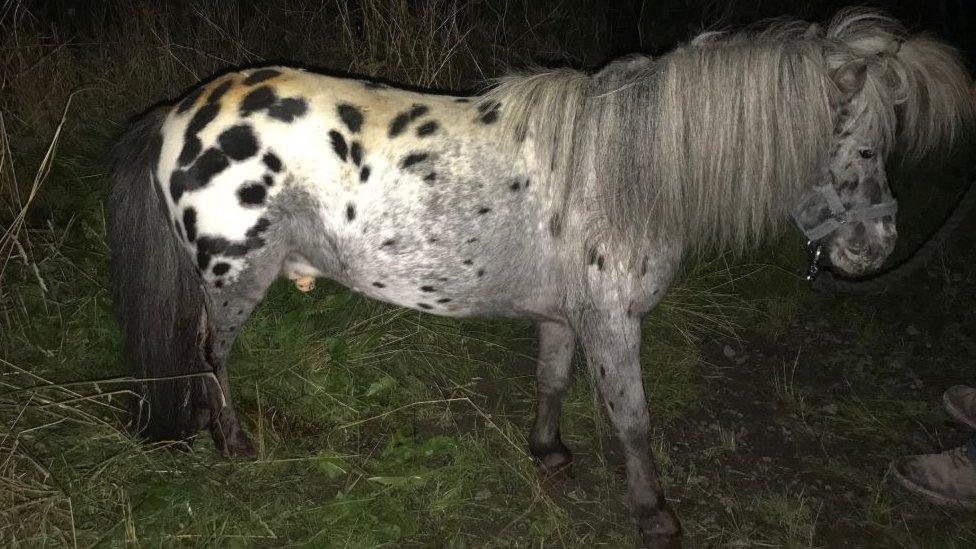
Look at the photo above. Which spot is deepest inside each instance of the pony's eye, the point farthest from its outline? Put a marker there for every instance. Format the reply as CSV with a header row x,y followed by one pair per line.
x,y
866,153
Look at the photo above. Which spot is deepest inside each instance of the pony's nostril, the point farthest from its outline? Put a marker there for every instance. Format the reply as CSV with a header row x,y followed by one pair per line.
x,y
852,254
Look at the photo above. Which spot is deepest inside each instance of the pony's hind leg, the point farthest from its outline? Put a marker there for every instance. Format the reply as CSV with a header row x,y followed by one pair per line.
x,y
553,379
612,346
229,306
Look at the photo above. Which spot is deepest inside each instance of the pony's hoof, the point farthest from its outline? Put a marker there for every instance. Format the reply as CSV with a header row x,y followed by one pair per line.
x,y
305,283
556,468
659,528
243,449
554,461
555,477
236,445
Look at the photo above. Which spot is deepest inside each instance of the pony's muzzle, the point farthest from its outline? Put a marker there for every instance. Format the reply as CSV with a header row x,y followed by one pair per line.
x,y
865,250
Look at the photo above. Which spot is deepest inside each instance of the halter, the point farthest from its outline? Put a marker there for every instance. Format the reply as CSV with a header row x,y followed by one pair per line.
x,y
839,216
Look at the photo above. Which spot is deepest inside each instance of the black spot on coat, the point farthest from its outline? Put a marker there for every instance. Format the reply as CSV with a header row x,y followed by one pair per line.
x,y
219,91
272,161
261,75
873,191
208,246
189,101
252,194
401,120
221,268
427,128
238,142
489,117
190,222
413,158
364,174
351,116
488,112
398,124
257,100
259,227
339,144
356,153
201,118
191,148
209,164
177,184
288,109
350,212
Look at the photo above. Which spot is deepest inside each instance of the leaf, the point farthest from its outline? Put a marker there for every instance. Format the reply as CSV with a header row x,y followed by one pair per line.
x,y
331,465
411,481
381,385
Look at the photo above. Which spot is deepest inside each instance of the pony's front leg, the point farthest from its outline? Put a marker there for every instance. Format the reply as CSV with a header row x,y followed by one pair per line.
x,y
612,346
554,375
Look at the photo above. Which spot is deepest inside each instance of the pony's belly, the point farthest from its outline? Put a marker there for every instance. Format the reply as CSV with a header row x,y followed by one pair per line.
x,y
458,282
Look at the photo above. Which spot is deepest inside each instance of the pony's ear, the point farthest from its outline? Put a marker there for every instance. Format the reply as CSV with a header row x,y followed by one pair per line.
x,y
850,77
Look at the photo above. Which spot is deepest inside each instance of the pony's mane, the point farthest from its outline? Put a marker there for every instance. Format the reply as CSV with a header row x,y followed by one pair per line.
x,y
713,142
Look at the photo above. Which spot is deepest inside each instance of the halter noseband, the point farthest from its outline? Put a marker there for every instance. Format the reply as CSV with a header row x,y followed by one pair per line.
x,y
839,216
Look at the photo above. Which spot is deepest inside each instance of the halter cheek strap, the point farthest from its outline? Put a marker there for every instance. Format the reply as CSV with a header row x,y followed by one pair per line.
x,y
839,215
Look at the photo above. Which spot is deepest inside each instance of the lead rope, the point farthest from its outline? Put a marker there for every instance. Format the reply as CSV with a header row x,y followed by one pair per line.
x,y
882,282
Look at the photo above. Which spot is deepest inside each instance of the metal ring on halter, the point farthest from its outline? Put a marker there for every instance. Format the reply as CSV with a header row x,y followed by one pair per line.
x,y
814,250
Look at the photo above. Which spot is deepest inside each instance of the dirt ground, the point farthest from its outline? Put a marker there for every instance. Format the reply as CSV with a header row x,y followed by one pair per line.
x,y
818,406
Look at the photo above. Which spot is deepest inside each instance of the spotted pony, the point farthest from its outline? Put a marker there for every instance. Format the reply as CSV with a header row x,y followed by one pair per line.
x,y
563,196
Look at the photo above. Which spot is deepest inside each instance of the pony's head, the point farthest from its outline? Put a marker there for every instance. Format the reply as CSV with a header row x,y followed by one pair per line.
x,y
894,95
850,212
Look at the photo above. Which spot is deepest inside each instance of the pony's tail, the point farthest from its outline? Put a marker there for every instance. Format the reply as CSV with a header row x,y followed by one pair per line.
x,y
158,299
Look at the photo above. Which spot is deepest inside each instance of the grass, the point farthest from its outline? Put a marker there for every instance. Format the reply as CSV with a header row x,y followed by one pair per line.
x,y
378,426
